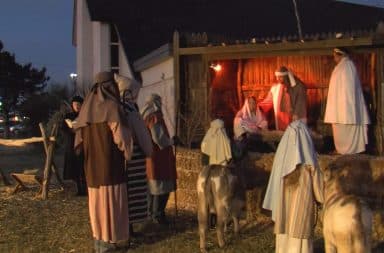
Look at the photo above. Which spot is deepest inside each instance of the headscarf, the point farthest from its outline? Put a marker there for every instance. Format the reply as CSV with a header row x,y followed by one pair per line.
x,y
245,121
295,147
152,105
128,88
341,51
283,71
216,144
102,104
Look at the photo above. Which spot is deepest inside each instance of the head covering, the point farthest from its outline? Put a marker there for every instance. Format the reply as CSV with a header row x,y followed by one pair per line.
x,y
340,50
128,88
216,144
102,104
245,121
152,105
77,99
295,147
284,71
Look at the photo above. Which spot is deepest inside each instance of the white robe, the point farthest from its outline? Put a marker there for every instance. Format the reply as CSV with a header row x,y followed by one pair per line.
x,y
346,109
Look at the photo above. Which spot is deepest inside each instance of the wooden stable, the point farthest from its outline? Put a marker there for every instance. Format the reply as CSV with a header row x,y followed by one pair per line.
x,y
248,69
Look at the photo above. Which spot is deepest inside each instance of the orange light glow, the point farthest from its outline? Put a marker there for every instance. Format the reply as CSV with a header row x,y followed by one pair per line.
x,y
216,67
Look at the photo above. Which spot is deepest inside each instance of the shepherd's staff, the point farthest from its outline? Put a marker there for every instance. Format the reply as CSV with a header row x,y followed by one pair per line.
x,y
174,151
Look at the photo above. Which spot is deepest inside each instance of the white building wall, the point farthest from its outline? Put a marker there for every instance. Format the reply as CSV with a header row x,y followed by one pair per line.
x,y
159,79
84,46
93,49
101,47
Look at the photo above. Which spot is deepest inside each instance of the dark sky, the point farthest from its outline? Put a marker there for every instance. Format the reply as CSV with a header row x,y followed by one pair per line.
x,y
40,32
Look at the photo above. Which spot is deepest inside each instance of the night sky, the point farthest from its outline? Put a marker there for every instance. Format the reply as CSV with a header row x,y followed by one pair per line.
x,y
40,32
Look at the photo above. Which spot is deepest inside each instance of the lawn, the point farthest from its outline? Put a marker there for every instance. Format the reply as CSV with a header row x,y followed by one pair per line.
x,y
61,223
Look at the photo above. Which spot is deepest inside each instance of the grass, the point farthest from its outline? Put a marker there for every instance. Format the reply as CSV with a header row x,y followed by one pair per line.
x,y
61,223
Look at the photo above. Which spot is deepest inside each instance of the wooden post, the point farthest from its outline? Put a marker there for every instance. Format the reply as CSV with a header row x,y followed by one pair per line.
x,y
239,84
46,144
4,178
48,162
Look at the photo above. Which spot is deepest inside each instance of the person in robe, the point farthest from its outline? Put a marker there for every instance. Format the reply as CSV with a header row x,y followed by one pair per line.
x,y
346,109
288,98
161,166
137,184
103,134
249,119
295,185
73,163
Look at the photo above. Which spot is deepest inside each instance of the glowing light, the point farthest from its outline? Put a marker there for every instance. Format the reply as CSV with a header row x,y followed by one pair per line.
x,y
216,67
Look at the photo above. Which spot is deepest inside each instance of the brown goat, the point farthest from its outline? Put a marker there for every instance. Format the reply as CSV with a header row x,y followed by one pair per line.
x,y
219,191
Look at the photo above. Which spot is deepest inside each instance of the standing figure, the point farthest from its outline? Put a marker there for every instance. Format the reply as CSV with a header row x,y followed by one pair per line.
x,y
73,163
249,120
103,134
288,98
346,109
294,186
161,167
137,184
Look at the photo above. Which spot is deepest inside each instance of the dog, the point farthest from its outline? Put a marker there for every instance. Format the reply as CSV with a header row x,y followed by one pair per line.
x,y
219,191
347,220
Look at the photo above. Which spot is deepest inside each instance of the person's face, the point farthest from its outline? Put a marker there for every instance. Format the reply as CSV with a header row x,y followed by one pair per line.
x,y
280,79
252,105
337,57
76,106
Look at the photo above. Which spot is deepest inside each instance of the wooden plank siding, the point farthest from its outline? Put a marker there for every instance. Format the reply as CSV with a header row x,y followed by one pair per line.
x,y
240,79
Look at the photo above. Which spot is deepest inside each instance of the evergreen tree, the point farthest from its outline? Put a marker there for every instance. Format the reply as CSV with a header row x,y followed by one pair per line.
x,y
17,81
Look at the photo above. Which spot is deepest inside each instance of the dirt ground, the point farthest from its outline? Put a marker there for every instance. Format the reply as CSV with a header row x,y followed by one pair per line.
x,y
61,223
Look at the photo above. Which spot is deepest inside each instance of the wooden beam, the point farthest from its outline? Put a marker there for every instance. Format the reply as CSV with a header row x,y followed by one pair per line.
x,y
279,47
48,161
176,76
46,145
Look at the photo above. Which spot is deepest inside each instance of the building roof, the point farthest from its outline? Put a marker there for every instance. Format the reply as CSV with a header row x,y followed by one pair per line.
x,y
147,24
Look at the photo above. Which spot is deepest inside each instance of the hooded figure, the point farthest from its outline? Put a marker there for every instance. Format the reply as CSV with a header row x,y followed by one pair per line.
x,y
137,185
294,186
161,166
73,163
249,119
346,109
103,134
288,98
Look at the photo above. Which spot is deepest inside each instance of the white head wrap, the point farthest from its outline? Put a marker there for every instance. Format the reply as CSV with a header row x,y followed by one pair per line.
x,y
216,144
128,88
288,73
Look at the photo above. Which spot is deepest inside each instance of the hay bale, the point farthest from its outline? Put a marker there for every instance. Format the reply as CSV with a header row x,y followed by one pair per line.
x,y
361,175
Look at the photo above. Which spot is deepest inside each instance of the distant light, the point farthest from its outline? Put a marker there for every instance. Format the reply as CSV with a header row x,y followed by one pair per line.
x,y
73,75
216,67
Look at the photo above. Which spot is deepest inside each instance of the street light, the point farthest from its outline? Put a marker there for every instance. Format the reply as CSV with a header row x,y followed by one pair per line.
x,y
73,77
